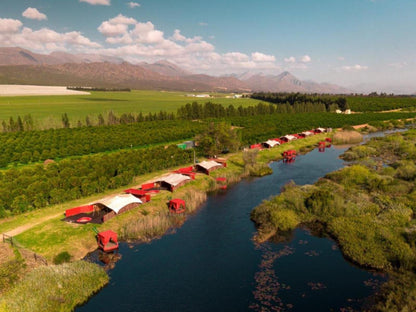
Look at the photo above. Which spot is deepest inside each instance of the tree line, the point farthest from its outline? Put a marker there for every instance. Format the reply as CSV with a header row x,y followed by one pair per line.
x,y
27,188
34,146
307,102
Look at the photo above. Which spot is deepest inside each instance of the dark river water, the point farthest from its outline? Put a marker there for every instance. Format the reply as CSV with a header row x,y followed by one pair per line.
x,y
212,264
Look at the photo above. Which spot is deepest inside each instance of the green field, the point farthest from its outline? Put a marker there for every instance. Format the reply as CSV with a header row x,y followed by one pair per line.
x,y
49,109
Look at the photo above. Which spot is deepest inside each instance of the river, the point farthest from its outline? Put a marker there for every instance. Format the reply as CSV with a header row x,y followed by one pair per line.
x,y
212,264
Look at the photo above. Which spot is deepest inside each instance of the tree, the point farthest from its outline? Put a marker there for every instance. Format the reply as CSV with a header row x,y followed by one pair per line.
x,y
65,121
218,138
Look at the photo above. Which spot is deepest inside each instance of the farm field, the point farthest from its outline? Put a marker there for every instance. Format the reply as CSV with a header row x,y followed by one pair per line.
x,y
49,109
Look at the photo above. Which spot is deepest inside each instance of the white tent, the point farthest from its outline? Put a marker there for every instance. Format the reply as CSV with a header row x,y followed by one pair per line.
x,y
208,165
174,179
271,143
307,133
288,137
118,202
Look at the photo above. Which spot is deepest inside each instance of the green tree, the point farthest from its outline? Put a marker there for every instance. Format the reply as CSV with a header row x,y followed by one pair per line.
x,y
218,138
65,121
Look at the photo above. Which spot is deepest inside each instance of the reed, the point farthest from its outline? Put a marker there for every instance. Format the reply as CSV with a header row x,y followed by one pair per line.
x,y
55,288
347,137
146,228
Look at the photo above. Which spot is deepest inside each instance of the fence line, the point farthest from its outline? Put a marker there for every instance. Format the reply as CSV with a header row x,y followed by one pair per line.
x,y
9,239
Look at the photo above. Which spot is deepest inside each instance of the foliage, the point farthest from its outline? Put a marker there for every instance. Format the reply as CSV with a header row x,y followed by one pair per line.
x,y
369,210
38,186
302,103
62,258
34,146
10,272
218,138
55,288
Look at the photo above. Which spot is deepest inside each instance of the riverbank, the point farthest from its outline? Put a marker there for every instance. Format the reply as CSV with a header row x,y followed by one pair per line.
x,y
368,208
46,234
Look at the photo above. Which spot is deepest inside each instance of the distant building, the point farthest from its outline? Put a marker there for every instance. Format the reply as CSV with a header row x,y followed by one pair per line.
x,y
202,96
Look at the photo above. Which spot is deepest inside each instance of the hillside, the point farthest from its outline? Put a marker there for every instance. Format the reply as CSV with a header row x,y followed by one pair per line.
x,y
21,66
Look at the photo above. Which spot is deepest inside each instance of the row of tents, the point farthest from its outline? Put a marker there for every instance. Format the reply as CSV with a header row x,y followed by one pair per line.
x,y
270,143
107,208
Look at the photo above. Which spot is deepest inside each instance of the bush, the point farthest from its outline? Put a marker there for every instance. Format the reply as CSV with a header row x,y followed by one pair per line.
x,y
62,258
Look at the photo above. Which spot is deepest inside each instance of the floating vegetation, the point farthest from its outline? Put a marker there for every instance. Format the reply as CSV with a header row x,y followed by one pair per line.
x,y
312,253
267,284
316,286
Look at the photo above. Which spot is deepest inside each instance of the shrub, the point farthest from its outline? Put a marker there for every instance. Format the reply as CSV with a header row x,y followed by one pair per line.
x,y
62,258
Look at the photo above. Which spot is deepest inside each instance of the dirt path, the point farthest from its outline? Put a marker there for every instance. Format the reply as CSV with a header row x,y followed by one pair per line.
x,y
22,228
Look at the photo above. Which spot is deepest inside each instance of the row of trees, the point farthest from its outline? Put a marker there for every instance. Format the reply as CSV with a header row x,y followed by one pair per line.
x,y
331,103
38,186
254,129
34,146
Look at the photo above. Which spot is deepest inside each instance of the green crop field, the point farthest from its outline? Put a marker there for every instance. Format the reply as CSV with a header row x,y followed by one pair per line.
x,y
49,109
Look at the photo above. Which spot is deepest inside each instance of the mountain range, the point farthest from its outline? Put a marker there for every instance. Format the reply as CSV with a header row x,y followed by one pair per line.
x,y
21,66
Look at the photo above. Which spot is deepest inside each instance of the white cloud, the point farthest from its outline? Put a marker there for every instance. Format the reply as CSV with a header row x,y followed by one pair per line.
x,y
112,30
341,58
42,40
356,67
260,57
117,26
121,19
133,5
291,59
32,13
97,2
202,24
306,59
9,26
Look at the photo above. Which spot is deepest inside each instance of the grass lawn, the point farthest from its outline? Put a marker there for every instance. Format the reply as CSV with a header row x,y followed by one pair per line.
x,y
49,109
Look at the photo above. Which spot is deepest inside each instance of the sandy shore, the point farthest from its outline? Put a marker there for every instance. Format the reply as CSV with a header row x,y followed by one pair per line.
x,y
21,90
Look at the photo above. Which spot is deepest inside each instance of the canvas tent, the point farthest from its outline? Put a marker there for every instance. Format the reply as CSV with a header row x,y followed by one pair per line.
x,y
270,143
173,180
208,166
117,203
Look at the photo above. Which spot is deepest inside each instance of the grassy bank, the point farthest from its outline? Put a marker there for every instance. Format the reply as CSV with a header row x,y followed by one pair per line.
x,y
49,236
55,288
368,208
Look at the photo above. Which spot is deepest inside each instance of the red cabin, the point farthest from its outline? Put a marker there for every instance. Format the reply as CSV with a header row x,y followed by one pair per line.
x,y
107,240
177,205
289,155
329,140
256,146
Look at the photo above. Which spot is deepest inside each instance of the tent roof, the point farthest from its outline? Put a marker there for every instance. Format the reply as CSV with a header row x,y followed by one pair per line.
x,y
209,164
307,132
289,137
272,143
116,203
174,179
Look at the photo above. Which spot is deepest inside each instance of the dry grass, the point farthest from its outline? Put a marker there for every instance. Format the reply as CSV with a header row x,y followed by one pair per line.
x,y
55,288
347,137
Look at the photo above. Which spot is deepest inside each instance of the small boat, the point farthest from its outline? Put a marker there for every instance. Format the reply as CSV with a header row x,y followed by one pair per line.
x,y
84,220
107,240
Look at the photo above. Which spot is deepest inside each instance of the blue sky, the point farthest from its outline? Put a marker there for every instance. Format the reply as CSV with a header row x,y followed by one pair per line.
x,y
370,43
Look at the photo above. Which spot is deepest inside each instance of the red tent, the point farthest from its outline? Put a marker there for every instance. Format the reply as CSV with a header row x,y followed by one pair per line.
x,y
107,240
177,205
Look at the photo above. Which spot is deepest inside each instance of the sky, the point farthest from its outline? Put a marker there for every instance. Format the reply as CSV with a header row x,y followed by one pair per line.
x,y
367,44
